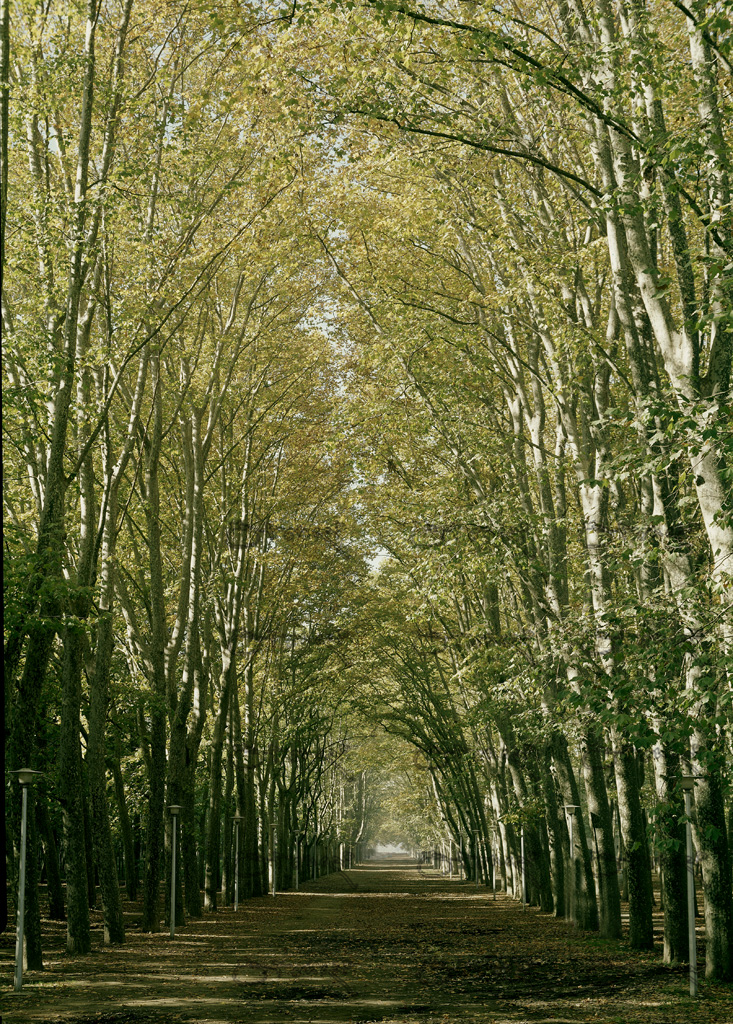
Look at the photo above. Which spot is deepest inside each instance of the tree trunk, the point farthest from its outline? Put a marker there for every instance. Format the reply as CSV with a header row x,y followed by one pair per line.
x,y
78,935
670,830
711,839
56,909
154,823
227,886
32,928
554,834
114,928
595,787
641,935
128,842
213,824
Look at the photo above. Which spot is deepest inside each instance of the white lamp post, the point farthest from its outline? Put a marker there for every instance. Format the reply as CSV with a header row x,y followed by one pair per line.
x,y
297,859
237,821
475,854
273,858
688,784
571,810
174,810
524,873
25,777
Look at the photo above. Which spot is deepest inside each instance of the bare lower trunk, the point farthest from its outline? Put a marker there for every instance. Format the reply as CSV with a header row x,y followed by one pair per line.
x,y
711,839
154,823
33,950
227,882
670,830
56,909
554,835
128,843
114,928
189,853
588,916
213,824
641,935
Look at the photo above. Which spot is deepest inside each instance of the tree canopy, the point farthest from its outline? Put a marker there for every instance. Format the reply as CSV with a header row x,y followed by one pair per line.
x,y
368,450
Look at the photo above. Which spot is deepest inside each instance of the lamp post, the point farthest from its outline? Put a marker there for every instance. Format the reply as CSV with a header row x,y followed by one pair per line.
x,y
297,859
460,853
524,873
571,810
475,855
237,821
688,784
25,777
273,860
174,810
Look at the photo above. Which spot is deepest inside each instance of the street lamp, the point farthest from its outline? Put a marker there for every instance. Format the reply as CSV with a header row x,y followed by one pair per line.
x,y
174,810
475,854
25,777
524,873
238,819
571,810
273,861
687,782
297,859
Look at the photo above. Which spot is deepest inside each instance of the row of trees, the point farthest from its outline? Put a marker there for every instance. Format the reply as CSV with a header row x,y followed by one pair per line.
x,y
173,489
536,264
295,285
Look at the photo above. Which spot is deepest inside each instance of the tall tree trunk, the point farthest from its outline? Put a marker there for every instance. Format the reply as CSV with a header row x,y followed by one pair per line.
x,y
557,836
32,931
157,711
641,935
114,928
670,830
707,761
609,920
213,824
227,886
56,910
78,934
128,843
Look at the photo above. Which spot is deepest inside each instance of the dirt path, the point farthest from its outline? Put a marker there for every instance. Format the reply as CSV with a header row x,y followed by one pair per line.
x,y
386,943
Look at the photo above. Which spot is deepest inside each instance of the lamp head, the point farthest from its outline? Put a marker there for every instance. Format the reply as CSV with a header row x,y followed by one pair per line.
x,y
687,783
26,775
174,809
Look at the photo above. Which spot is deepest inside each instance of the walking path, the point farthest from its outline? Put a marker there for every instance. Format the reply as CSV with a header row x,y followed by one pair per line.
x,y
389,942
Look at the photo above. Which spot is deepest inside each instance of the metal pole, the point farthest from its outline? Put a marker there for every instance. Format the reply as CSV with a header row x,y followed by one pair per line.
x,y
475,856
461,856
572,868
236,862
691,894
297,861
524,874
273,834
174,816
21,891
